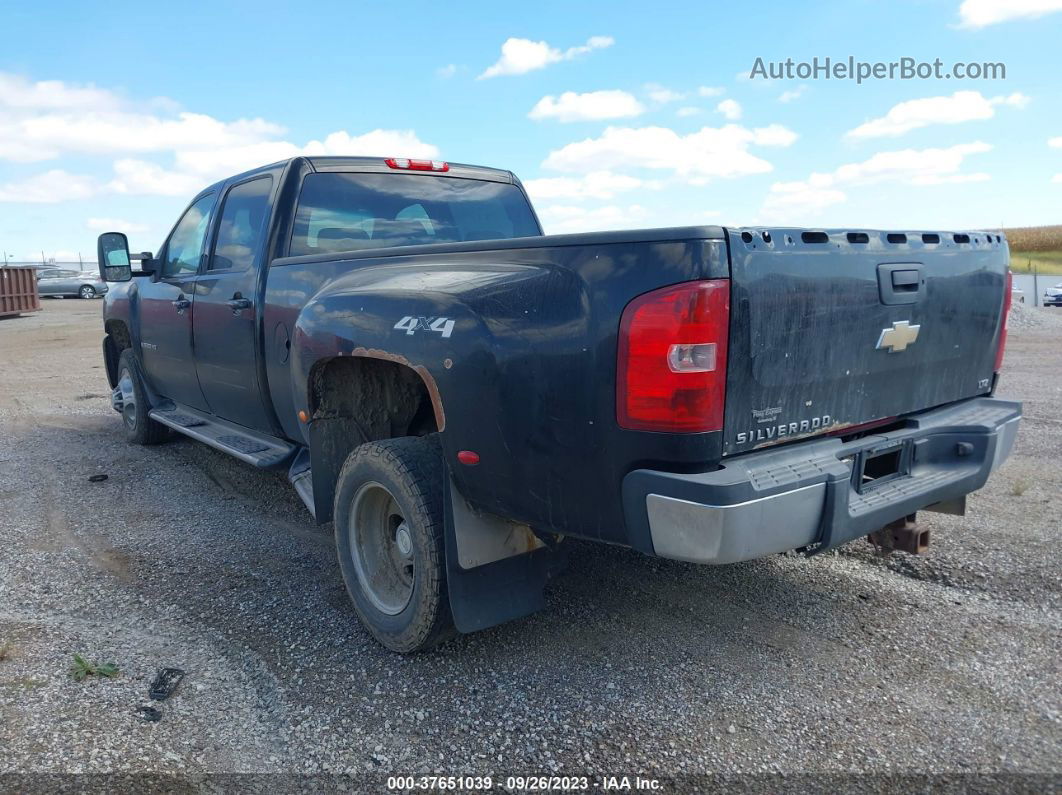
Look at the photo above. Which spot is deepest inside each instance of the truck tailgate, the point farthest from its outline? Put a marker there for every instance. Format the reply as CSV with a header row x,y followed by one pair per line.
x,y
839,328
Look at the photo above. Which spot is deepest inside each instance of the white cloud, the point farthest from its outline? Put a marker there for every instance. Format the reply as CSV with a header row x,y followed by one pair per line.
x,y
45,120
917,166
662,95
47,188
520,56
791,196
710,91
216,163
1055,142
908,166
688,110
446,72
561,219
773,135
194,169
143,177
18,92
950,179
1015,100
730,109
711,152
378,142
48,119
595,185
35,135
114,224
981,13
962,106
1057,179
793,94
592,106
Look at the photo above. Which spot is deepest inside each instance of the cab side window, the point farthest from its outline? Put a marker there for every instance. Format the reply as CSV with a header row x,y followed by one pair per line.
x,y
186,242
243,219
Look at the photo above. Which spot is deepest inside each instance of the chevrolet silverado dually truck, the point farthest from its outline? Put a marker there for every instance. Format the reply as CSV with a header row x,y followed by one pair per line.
x,y
457,393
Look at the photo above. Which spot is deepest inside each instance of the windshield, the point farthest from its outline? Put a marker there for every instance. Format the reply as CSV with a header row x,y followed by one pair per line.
x,y
347,212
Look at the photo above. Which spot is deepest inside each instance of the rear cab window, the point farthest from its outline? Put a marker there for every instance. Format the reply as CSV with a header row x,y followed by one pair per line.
x,y
339,211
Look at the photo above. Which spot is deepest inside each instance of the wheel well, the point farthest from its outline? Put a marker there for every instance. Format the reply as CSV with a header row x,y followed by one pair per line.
x,y
360,399
116,341
386,398
119,333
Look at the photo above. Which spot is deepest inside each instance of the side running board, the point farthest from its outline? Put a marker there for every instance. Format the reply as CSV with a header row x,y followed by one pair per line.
x,y
260,450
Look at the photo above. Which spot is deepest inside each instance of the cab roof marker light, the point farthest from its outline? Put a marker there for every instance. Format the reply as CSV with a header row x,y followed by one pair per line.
x,y
407,164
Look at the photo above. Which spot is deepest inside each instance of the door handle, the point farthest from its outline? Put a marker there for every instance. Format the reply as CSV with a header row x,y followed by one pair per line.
x,y
181,304
239,303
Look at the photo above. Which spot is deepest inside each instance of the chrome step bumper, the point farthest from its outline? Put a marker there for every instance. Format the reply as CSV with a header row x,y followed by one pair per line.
x,y
805,495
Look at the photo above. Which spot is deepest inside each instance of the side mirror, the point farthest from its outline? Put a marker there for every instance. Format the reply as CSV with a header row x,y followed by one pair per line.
x,y
112,253
148,265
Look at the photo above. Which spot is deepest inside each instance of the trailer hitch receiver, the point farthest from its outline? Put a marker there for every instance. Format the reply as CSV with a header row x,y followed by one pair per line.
x,y
903,534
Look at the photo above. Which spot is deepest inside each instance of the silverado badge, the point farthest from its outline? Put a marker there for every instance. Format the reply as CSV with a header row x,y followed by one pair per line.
x,y
898,337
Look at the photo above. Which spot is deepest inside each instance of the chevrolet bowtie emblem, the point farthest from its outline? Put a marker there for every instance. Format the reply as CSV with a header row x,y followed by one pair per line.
x,y
898,337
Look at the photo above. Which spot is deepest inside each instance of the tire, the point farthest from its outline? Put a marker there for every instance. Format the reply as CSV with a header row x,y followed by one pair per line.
x,y
86,291
389,541
130,400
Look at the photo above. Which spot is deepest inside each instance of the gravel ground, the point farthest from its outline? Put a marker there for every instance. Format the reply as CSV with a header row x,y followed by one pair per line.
x,y
844,664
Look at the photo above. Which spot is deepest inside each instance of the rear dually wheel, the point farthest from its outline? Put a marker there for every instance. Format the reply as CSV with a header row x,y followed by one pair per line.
x,y
389,541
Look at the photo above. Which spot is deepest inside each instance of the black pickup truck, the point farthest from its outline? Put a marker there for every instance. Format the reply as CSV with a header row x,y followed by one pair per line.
x,y
457,392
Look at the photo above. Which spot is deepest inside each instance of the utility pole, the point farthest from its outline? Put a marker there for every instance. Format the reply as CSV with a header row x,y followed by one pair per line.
x,y
1036,284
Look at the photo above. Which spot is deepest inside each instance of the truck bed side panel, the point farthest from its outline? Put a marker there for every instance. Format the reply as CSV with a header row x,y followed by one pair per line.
x,y
531,385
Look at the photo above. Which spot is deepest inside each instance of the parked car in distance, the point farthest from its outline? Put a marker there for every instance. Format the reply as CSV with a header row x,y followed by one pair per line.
x,y
1017,295
1053,295
60,281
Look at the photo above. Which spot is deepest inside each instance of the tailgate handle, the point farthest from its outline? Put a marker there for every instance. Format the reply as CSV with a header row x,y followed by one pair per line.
x,y
901,283
905,281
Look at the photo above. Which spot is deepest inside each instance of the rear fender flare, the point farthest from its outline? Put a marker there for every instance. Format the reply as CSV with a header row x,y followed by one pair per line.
x,y
369,327
375,326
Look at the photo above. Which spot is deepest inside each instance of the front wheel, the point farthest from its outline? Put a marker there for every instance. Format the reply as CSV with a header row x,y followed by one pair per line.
x,y
129,398
86,291
389,541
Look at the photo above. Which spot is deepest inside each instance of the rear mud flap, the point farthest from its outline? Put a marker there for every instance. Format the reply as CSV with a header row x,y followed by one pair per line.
x,y
502,590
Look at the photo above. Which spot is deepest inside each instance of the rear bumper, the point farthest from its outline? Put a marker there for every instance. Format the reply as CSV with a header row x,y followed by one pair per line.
x,y
804,495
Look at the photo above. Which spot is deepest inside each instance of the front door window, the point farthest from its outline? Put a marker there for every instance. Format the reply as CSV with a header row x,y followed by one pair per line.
x,y
186,242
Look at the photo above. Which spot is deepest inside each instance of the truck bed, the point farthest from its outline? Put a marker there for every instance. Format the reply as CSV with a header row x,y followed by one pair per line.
x,y
536,331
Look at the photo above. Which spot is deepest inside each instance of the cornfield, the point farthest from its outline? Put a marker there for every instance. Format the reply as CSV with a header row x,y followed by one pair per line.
x,y
1035,238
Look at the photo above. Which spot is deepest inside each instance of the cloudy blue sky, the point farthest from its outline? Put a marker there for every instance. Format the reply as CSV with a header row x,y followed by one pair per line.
x,y
615,115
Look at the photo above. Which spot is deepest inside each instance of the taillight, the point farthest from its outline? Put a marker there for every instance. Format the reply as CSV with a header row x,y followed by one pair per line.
x,y
1008,295
671,373
417,165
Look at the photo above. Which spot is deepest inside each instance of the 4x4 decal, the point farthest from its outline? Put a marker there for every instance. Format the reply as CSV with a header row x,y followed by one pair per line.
x,y
411,325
